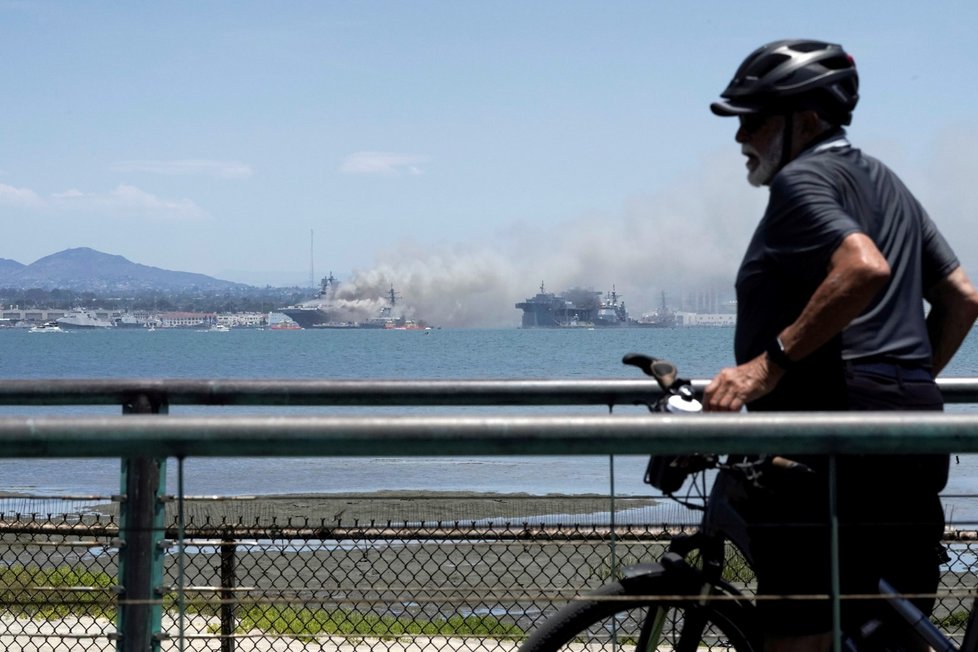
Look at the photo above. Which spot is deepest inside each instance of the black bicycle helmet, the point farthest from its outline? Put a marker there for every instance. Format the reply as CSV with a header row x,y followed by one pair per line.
x,y
793,74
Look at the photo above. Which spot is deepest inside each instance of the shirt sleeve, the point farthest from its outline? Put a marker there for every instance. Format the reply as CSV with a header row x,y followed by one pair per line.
x,y
806,222
937,257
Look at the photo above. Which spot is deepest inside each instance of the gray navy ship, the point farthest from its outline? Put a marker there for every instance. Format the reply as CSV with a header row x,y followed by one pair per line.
x,y
575,308
579,308
325,311
316,311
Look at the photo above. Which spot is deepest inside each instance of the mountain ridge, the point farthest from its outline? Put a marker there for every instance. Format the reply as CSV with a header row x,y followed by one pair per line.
x,y
88,270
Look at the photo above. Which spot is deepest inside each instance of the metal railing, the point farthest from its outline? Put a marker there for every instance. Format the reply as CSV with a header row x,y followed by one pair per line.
x,y
146,436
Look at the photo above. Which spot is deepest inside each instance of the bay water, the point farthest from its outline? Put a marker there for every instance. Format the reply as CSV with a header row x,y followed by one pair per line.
x,y
369,354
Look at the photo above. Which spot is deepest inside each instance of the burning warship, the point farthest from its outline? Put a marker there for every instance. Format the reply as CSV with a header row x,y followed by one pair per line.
x,y
579,308
328,310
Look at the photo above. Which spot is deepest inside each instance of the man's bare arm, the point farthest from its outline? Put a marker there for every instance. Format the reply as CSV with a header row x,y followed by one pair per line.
x,y
954,308
857,272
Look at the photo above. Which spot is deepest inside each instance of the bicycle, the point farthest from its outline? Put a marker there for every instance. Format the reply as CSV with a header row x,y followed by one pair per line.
x,y
682,601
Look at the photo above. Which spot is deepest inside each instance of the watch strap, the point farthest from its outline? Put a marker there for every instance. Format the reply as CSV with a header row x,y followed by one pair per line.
x,y
775,353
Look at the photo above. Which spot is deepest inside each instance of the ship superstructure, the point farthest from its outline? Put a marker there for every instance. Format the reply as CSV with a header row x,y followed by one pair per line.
x,y
575,308
320,310
328,311
80,319
663,317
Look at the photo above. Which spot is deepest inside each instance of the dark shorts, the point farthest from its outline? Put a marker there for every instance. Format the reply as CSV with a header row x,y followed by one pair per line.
x,y
890,521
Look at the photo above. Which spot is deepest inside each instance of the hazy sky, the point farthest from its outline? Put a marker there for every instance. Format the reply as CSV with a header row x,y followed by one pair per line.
x,y
464,152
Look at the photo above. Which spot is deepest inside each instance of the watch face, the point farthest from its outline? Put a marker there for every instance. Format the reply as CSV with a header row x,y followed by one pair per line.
x,y
776,354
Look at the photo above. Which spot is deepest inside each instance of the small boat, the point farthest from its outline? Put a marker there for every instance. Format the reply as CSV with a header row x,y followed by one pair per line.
x,y
47,327
219,328
284,326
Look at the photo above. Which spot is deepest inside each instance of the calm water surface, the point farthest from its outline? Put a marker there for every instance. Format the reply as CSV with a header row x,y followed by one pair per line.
x,y
334,354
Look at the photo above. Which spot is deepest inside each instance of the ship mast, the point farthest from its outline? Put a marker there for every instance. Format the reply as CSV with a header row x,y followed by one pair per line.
x,y
312,272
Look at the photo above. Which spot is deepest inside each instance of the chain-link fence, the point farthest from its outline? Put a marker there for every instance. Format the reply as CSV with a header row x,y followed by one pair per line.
x,y
378,571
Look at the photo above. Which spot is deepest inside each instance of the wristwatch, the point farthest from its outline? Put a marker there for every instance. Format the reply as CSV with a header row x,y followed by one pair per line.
x,y
775,353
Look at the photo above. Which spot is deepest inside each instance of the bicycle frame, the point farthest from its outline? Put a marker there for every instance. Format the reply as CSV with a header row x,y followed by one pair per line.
x,y
723,522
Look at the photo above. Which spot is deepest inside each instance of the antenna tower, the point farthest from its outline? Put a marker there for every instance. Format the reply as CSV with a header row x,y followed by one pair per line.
x,y
312,271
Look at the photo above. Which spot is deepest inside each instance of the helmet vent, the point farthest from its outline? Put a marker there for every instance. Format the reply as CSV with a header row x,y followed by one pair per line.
x,y
809,46
769,64
838,63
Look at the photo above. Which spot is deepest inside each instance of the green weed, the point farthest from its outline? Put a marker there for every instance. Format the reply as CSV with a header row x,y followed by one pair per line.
x,y
340,622
53,593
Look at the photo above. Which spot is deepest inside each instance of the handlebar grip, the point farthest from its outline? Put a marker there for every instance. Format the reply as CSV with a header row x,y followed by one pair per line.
x,y
640,360
788,464
663,371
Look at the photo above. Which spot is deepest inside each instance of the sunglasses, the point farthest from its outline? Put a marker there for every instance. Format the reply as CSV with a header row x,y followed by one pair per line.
x,y
751,122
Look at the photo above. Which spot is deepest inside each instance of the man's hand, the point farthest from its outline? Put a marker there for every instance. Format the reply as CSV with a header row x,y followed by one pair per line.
x,y
734,387
857,272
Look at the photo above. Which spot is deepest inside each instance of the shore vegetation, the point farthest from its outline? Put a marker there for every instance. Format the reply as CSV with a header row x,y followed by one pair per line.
x,y
55,593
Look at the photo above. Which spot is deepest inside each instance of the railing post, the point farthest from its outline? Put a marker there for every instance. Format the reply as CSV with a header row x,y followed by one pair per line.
x,y
836,593
228,582
141,546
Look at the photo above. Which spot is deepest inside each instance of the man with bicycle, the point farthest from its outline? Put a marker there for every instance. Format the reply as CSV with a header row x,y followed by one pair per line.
x,y
831,316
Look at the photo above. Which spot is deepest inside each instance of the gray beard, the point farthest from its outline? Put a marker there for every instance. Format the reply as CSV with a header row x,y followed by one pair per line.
x,y
767,164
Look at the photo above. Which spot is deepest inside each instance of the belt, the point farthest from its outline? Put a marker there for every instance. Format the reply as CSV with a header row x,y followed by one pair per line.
x,y
896,370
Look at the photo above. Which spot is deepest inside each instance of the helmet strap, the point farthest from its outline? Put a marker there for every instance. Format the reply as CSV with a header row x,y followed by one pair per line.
x,y
787,137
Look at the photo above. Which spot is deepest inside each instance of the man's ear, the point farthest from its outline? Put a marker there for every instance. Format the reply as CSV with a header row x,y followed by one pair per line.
x,y
810,124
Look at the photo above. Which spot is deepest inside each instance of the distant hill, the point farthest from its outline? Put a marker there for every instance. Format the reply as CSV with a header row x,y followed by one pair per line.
x,y
87,270
8,266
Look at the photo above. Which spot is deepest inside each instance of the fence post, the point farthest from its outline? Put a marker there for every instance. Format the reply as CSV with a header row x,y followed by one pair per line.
x,y
228,582
834,548
141,545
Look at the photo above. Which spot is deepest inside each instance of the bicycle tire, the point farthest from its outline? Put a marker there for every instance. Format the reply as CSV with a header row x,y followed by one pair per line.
x,y
610,622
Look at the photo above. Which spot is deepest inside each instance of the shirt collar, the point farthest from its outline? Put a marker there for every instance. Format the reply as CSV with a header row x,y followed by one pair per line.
x,y
834,140
836,143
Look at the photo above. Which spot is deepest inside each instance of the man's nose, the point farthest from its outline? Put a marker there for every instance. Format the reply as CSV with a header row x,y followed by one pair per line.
x,y
741,136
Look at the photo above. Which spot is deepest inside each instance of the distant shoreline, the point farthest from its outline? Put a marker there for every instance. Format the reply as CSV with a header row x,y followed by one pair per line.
x,y
400,506
366,507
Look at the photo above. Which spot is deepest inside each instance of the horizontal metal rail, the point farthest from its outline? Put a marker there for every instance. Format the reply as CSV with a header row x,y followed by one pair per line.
x,y
328,392
144,438
161,436
364,392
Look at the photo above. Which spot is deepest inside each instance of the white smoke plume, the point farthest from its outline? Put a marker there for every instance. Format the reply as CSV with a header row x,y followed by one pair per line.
x,y
689,239
945,184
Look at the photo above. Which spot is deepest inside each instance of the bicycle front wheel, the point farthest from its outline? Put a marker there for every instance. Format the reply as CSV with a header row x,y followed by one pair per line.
x,y
609,620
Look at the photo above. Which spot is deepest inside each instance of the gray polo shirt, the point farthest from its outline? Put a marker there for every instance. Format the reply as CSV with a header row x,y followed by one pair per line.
x,y
829,191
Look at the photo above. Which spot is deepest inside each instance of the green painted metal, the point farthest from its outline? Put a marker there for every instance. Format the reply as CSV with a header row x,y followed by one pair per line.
x,y
145,437
364,392
836,579
255,436
141,554
329,392
141,546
